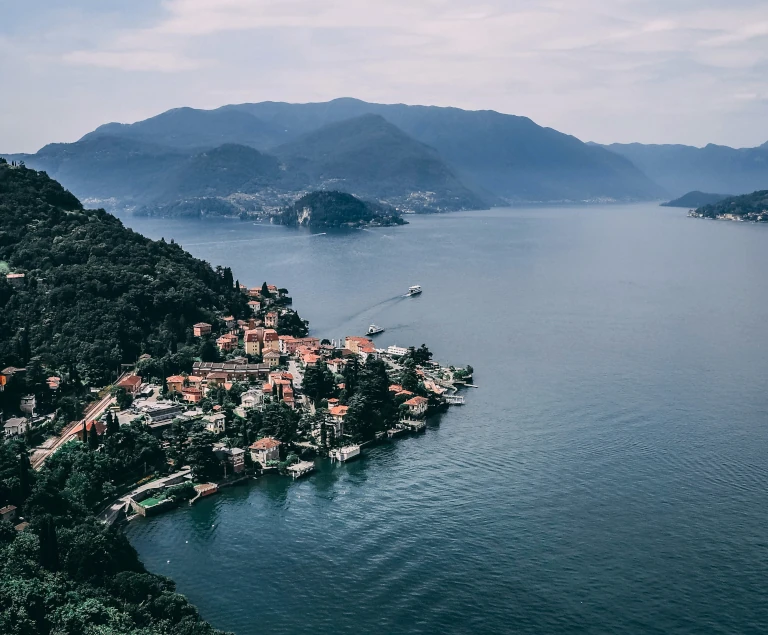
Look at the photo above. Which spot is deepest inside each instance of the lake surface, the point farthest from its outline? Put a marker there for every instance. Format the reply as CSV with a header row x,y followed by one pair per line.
x,y
609,475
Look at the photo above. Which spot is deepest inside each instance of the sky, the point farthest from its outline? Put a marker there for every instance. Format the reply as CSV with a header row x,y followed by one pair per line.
x,y
651,71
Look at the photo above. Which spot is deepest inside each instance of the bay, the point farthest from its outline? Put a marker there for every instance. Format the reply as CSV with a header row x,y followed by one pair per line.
x,y
609,474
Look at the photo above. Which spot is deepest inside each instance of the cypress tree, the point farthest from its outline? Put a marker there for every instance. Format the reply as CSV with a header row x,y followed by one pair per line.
x,y
49,545
93,437
85,432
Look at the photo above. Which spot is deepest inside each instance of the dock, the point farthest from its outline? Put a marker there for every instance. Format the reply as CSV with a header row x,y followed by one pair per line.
x,y
347,453
455,400
414,425
297,470
396,432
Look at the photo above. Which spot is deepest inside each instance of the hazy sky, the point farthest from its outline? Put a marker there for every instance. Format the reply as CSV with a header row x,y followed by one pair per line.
x,y
655,71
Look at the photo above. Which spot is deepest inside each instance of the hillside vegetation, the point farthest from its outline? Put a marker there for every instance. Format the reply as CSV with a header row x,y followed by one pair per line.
x,y
96,294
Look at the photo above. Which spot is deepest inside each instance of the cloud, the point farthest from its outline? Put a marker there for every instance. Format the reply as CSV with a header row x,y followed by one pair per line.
x,y
135,60
623,70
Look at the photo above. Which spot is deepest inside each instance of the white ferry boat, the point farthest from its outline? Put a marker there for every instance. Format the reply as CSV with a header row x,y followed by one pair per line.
x,y
414,290
374,330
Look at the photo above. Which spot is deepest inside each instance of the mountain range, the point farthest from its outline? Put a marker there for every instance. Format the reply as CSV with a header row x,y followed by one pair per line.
x,y
417,158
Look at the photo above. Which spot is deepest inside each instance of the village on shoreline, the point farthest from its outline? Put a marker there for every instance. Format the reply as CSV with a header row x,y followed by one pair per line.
x,y
315,398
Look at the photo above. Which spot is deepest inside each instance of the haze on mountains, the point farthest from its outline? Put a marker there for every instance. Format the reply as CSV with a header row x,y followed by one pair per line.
x,y
417,158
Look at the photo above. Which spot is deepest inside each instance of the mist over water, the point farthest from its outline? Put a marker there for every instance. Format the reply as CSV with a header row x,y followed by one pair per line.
x,y
610,473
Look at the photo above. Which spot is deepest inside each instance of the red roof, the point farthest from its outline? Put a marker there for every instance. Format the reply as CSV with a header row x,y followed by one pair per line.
x,y
100,427
175,379
338,411
130,381
267,443
417,401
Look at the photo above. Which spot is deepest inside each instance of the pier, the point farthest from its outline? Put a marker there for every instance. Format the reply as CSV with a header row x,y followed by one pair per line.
x,y
347,453
455,400
297,470
414,425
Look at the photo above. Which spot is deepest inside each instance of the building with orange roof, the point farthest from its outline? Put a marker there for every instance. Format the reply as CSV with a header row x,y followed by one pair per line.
x,y
271,340
265,450
175,383
417,406
131,384
201,328
192,395
100,428
227,343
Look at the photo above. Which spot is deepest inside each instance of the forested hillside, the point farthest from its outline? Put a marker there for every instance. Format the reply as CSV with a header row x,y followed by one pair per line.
x,y
95,294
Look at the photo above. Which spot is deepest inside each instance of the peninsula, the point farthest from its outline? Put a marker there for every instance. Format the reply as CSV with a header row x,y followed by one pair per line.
x,y
135,378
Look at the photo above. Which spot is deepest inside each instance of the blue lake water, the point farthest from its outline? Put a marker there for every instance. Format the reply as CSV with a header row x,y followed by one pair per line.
x,y
610,473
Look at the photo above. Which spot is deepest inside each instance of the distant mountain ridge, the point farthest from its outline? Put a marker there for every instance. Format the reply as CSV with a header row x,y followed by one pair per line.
x,y
418,158
680,168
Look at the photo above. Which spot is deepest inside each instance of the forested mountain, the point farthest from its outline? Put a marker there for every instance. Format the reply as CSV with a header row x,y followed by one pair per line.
x,y
501,155
369,156
468,159
95,293
221,171
680,168
336,209
109,166
190,128
692,200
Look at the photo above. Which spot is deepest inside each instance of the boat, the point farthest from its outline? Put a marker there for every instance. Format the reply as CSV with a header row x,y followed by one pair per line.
x,y
374,330
414,290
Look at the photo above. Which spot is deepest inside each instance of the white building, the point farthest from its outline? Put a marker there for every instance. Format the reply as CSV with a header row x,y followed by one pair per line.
x,y
215,423
252,400
399,351
28,404
18,425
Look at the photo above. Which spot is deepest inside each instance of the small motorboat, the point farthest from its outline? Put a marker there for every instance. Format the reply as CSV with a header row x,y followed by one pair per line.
x,y
414,290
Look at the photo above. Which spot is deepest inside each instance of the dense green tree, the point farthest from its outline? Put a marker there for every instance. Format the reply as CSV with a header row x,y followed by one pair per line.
x,y
279,421
205,466
408,377
318,383
371,407
208,351
420,355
